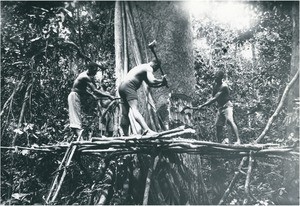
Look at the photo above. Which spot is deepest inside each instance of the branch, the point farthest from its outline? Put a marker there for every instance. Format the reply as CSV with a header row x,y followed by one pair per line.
x,y
101,65
279,107
78,49
17,87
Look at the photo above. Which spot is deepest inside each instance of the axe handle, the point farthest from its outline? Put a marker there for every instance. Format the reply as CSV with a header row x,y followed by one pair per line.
x,y
162,72
152,49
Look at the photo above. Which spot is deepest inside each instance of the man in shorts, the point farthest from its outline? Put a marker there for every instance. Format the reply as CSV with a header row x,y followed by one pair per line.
x,y
80,87
221,95
128,93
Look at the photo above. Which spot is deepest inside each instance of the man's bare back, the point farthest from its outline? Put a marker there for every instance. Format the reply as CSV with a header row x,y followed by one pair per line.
x,y
137,75
81,82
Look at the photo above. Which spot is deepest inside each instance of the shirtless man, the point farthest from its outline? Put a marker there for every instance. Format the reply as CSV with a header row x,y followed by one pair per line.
x,y
82,82
128,92
225,108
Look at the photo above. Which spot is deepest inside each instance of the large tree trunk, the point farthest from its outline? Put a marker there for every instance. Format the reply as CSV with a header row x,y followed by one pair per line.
x,y
136,25
169,24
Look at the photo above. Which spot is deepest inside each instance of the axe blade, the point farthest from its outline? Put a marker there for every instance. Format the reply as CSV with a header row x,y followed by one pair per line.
x,y
152,44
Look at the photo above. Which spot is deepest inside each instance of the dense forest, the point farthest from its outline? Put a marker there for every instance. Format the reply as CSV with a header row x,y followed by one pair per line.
x,y
45,45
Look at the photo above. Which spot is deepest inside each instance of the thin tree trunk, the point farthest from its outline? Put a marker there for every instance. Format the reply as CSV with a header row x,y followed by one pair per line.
x,y
279,107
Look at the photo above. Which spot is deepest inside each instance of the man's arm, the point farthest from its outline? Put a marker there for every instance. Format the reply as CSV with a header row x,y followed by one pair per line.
x,y
153,82
98,92
212,100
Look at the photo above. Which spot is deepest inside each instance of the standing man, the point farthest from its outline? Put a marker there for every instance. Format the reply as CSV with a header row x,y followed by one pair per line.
x,y
106,124
221,95
82,82
128,93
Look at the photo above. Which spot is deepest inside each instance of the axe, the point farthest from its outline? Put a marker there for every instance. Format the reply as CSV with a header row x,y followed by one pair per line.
x,y
187,107
151,47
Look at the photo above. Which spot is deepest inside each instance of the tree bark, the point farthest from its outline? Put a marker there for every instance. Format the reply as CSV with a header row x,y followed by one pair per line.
x,y
169,24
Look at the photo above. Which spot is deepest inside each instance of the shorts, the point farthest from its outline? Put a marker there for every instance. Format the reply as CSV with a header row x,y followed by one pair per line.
x,y
74,110
127,92
224,114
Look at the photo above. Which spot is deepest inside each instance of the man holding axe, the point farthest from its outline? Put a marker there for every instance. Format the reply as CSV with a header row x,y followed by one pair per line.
x,y
225,108
128,91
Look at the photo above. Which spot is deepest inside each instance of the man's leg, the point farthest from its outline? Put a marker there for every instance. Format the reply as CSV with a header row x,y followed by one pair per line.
x,y
133,104
219,133
220,120
78,132
229,117
74,114
125,119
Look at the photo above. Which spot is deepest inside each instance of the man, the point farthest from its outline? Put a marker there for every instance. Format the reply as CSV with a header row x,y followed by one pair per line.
x,y
128,93
106,124
80,87
225,108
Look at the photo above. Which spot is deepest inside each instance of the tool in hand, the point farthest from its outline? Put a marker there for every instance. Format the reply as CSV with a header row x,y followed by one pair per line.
x,y
151,47
187,107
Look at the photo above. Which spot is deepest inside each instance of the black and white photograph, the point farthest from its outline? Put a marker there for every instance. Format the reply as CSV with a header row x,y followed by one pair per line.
x,y
192,102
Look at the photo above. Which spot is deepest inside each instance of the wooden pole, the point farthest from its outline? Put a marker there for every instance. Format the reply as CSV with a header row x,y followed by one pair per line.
x,y
247,182
234,179
148,180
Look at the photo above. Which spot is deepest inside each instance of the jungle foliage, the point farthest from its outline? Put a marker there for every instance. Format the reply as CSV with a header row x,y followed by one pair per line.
x,y
43,48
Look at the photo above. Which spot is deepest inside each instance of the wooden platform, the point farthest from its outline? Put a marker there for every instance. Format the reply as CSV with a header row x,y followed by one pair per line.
x,y
178,140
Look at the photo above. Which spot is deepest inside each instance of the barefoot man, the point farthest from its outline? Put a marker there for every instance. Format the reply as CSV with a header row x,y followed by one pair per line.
x,y
128,93
221,95
80,85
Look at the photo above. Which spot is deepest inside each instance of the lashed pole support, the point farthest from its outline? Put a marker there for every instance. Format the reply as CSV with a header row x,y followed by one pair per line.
x,y
148,180
247,182
61,173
